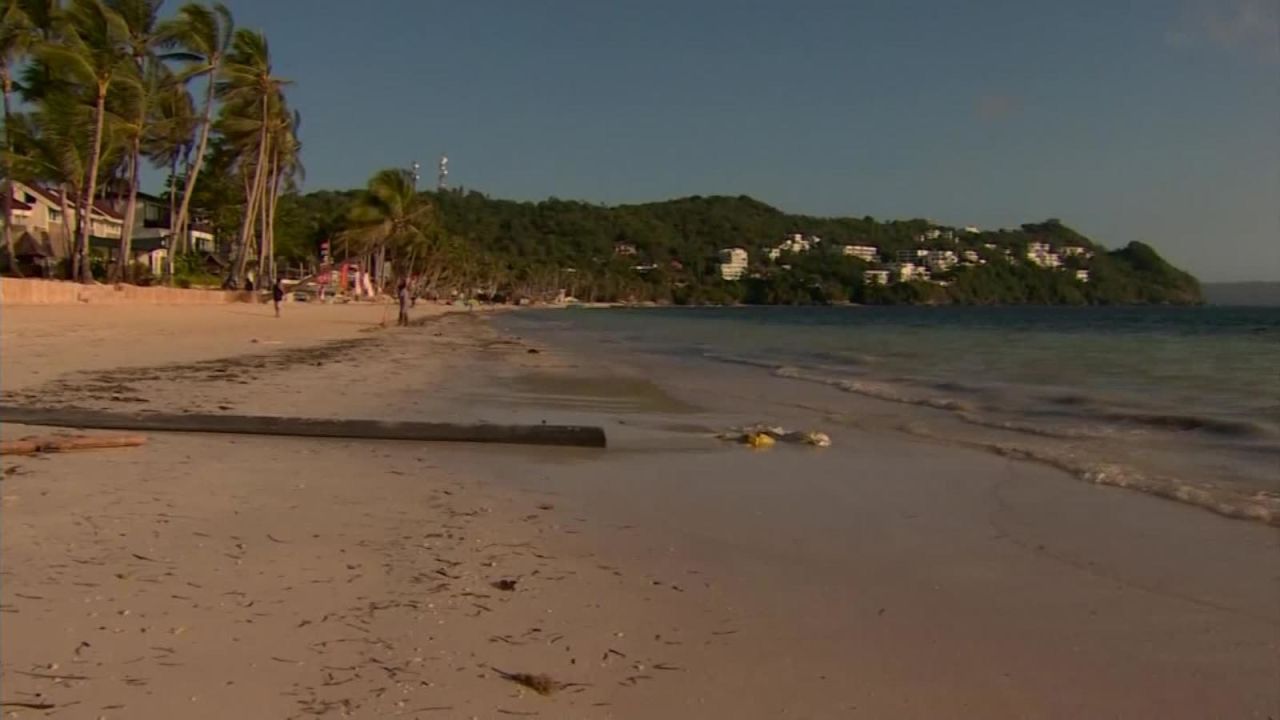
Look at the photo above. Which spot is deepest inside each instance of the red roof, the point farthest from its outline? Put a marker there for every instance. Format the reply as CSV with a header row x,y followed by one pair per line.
x,y
106,209
19,205
53,196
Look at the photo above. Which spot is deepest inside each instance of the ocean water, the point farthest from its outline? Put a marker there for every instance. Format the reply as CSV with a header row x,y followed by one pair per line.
x,y
1180,402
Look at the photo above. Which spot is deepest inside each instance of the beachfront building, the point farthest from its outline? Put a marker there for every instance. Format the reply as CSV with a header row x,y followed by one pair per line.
x,y
152,235
44,226
733,263
40,235
43,236
875,277
866,253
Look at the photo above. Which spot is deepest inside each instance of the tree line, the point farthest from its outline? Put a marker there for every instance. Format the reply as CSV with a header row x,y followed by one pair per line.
x,y
465,243
93,89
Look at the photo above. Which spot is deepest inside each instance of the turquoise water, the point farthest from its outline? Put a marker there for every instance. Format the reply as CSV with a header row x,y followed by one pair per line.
x,y
1215,367
1192,391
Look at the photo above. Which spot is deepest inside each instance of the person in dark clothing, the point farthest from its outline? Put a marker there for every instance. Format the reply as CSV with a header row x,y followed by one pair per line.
x,y
404,298
277,295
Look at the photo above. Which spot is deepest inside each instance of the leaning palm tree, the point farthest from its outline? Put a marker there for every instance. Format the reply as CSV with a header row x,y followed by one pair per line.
x,y
46,18
94,54
169,140
251,97
52,148
390,216
206,33
285,171
17,35
141,17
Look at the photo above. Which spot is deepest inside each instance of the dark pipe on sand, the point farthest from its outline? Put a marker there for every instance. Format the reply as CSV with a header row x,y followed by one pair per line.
x,y
564,435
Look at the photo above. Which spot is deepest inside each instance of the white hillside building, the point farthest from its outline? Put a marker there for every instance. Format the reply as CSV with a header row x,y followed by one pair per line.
x,y
733,263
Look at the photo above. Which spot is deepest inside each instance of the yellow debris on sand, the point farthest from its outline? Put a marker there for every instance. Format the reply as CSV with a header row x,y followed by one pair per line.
x,y
762,436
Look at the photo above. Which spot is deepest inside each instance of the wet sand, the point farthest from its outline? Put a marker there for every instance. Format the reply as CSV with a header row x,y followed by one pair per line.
x,y
673,575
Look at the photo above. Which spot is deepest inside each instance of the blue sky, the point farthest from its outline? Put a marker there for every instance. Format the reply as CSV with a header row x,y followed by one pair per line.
x,y
1153,120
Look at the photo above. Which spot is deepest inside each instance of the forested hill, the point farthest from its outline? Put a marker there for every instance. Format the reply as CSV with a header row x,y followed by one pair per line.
x,y
670,252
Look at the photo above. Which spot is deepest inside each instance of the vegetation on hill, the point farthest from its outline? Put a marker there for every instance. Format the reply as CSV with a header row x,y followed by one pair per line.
x,y
667,252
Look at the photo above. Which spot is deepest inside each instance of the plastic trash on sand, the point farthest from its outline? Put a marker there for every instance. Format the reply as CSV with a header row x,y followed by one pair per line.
x,y
762,436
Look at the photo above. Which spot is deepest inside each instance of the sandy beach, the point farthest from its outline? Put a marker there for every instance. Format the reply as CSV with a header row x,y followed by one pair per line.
x,y
672,575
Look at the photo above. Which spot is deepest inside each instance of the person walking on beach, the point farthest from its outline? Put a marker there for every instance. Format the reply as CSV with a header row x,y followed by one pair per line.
x,y
277,295
404,297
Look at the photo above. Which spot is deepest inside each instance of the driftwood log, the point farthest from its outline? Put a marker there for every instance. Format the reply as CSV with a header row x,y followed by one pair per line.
x,y
564,435
55,443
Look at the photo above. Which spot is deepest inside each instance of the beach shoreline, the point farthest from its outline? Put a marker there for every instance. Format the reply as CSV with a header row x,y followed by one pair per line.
x,y
264,577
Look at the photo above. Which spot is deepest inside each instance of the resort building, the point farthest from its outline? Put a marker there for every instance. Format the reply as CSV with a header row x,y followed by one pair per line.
x,y
797,243
941,260
912,256
733,263
906,272
1041,254
44,226
866,253
1082,275
875,277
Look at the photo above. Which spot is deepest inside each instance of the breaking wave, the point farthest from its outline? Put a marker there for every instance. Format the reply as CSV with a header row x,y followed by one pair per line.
x,y
1217,426
1227,500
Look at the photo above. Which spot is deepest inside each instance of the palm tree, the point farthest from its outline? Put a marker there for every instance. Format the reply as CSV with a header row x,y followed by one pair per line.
x,y
94,53
285,171
141,17
251,97
52,146
169,139
391,215
16,38
206,33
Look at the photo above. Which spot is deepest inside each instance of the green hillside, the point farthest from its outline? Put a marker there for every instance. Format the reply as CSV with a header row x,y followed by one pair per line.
x,y
668,252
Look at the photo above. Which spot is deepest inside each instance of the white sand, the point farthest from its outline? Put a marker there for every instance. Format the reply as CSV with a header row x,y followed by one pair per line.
x,y
671,576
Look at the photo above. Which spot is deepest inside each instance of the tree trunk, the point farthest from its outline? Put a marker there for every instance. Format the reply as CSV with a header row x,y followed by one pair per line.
x,y
75,239
263,204
173,209
86,221
271,214
130,211
8,173
190,185
67,238
382,264
246,227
